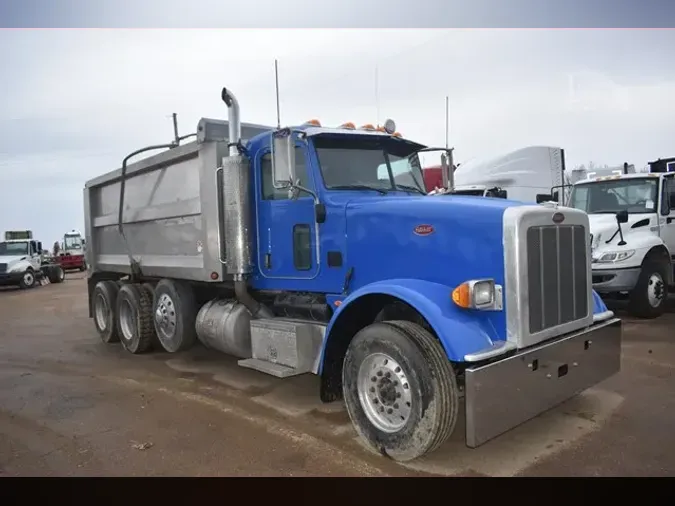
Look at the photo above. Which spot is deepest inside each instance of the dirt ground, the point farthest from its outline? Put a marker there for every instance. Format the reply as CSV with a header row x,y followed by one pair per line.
x,y
72,406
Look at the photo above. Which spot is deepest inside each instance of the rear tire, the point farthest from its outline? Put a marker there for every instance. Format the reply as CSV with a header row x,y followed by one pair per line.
x,y
105,311
400,389
134,318
650,296
175,312
55,274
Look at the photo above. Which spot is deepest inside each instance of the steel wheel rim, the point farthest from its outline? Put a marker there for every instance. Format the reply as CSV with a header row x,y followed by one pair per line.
x,y
384,392
165,316
655,287
28,279
101,312
127,320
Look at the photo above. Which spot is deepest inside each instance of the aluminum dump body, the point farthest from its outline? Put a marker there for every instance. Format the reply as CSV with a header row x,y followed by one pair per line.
x,y
172,216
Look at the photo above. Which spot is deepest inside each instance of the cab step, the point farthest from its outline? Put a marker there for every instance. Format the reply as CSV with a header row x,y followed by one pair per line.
x,y
284,347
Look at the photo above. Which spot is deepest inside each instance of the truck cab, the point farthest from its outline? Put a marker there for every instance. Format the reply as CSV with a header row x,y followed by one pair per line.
x,y
632,227
72,255
20,259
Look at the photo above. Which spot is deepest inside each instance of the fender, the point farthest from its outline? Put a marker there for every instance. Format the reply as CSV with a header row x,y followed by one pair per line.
x,y
460,331
599,306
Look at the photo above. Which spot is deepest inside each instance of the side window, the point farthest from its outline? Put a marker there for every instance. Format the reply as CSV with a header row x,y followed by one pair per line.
x,y
302,247
269,192
580,200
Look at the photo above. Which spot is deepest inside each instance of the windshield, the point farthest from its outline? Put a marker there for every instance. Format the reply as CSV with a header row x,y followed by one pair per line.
x,y
13,248
72,242
380,163
633,195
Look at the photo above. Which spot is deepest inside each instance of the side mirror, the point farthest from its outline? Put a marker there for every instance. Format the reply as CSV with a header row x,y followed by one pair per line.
x,y
622,216
283,158
39,247
543,197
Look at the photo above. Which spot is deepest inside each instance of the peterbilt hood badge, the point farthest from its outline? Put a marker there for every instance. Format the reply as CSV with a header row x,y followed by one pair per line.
x,y
423,230
558,218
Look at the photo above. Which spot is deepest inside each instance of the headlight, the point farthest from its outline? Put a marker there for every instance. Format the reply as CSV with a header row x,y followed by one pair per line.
x,y
481,294
614,256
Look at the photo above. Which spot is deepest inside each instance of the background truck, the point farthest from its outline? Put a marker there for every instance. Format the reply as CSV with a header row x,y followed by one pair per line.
x,y
71,255
632,220
305,250
526,175
22,263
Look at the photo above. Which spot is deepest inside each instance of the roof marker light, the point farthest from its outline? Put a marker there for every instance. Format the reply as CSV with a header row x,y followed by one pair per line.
x,y
389,126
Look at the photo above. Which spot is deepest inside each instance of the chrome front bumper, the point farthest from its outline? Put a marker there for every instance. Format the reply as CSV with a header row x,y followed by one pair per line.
x,y
502,395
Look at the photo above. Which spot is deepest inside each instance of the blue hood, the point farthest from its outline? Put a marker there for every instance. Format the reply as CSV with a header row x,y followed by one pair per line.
x,y
388,237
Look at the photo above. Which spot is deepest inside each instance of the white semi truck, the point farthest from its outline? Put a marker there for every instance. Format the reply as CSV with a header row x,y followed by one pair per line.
x,y
632,226
526,174
22,263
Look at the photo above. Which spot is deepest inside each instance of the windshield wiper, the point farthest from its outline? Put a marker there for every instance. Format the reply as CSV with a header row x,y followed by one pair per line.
x,y
359,187
410,188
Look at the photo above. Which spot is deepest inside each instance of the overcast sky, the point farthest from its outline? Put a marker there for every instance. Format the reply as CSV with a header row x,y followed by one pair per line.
x,y
75,102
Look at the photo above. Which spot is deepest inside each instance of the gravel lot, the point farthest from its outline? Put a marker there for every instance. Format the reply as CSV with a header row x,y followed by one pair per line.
x,y
72,406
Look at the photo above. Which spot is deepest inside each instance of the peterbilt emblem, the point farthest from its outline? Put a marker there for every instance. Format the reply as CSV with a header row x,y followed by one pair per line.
x,y
423,230
558,218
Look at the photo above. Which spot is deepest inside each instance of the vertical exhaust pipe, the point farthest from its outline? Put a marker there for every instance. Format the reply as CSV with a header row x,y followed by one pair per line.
x,y
234,123
237,216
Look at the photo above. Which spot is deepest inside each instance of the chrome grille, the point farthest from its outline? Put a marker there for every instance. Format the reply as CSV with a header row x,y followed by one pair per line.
x,y
557,275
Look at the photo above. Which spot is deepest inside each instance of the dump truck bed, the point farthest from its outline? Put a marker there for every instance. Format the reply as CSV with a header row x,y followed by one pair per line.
x,y
171,218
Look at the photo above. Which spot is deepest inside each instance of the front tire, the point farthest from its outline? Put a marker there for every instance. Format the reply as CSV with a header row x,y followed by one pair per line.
x,y
650,296
400,389
134,318
28,280
175,312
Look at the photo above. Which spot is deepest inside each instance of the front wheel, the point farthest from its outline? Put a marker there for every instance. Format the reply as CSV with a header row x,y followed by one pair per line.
x,y
649,297
27,280
400,389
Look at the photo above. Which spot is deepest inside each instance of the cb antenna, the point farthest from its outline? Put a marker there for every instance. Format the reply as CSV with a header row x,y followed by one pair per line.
x,y
447,122
377,96
276,80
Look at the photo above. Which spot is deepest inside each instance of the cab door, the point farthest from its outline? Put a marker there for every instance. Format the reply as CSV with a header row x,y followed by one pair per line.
x,y
35,255
667,218
287,228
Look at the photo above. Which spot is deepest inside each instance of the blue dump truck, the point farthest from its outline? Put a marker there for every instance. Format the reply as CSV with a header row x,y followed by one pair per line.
x,y
315,250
